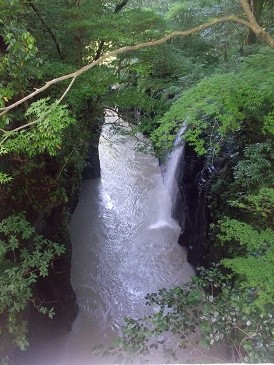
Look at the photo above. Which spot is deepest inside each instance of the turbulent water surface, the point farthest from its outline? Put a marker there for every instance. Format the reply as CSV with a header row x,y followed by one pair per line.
x,y
121,250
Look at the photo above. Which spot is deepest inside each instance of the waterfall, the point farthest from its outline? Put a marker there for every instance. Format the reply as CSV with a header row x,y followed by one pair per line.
x,y
170,189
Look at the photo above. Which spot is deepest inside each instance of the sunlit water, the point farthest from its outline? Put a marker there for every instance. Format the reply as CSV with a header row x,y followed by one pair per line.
x,y
120,250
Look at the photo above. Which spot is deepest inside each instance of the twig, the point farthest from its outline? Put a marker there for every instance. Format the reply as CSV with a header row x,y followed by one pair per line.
x,y
38,303
66,161
66,91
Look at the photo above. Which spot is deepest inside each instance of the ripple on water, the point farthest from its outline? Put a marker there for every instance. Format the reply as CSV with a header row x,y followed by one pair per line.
x,y
132,250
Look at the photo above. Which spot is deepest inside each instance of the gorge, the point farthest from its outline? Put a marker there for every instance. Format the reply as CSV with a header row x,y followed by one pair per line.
x,y
124,246
208,63
119,253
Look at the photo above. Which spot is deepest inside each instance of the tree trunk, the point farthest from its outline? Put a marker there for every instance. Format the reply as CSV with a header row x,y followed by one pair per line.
x,y
256,7
52,35
120,6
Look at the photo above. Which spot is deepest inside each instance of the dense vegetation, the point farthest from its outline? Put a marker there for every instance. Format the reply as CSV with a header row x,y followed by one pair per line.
x,y
232,301
219,80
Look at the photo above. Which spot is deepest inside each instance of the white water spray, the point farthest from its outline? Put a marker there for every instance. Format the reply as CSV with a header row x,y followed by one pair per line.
x,y
169,189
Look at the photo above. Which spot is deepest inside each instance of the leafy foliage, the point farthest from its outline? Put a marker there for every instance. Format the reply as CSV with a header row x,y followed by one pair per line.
x,y
208,308
254,267
24,257
256,167
50,122
21,51
219,105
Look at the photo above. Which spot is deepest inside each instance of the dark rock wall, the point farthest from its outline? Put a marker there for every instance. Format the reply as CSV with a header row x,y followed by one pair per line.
x,y
92,168
193,215
200,202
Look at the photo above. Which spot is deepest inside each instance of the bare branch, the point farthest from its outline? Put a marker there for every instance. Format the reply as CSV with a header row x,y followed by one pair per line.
x,y
9,133
266,37
66,91
246,7
66,161
254,26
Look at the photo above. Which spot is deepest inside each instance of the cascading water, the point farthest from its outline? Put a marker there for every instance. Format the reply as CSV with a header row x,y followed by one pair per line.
x,y
169,190
170,176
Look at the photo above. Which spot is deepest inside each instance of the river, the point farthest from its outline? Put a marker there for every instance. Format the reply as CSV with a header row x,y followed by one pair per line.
x,y
122,247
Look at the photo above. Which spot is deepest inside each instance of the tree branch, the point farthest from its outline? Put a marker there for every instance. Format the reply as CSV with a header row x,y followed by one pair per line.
x,y
266,37
254,26
67,90
256,7
246,7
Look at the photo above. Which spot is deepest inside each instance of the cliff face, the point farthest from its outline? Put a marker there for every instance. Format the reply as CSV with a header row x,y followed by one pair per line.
x,y
191,211
194,208
92,167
